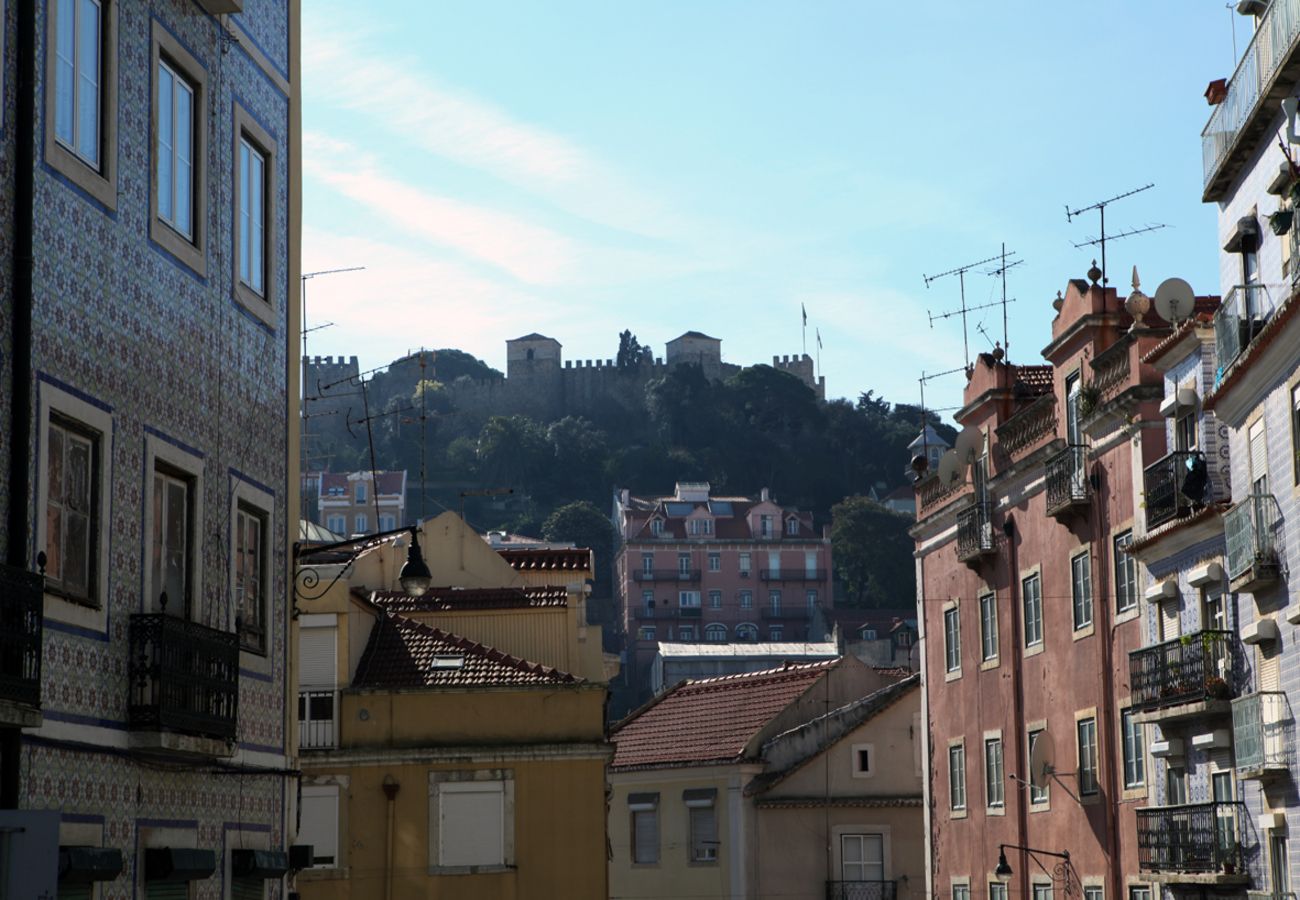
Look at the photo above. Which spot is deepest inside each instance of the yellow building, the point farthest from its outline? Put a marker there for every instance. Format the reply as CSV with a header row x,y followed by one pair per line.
x,y
732,787
440,734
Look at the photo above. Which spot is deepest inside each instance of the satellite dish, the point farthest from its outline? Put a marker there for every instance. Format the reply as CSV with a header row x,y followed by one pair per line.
x,y
950,467
1175,300
968,444
1042,760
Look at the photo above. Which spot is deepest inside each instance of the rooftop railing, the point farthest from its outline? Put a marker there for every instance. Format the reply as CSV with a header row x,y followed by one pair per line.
x,y
1028,426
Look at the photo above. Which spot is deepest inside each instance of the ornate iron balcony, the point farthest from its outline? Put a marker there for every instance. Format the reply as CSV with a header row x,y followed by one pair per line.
x,y
183,677
666,575
1067,479
861,890
1200,837
1249,530
1176,485
21,611
1242,315
1263,734
975,531
1189,669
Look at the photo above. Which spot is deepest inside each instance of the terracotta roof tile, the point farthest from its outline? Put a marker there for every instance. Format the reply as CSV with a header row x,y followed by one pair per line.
x,y
403,653
446,599
540,559
1036,379
710,720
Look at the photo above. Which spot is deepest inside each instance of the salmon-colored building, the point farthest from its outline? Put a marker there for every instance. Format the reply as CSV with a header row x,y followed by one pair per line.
x,y
1029,608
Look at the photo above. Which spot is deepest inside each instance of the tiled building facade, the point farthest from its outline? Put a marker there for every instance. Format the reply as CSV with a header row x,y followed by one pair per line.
x,y
151,176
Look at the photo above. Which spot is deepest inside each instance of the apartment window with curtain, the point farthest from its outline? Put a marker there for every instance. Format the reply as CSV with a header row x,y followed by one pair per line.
x,y
1081,589
1032,596
989,626
957,777
1087,741
994,780
952,639
1126,595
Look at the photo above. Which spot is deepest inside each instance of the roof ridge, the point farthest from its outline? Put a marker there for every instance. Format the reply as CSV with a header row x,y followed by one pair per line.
x,y
787,669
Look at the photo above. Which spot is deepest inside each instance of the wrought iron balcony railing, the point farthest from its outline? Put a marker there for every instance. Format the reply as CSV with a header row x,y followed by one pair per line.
x,y
183,677
1067,479
1263,733
1251,542
1200,837
1028,426
1242,315
861,890
1175,485
1275,32
795,574
317,715
666,575
1189,669
975,531
21,610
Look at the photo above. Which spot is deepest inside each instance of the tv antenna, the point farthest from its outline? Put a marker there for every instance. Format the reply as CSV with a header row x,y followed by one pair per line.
x,y
960,272
923,459
1100,206
1000,271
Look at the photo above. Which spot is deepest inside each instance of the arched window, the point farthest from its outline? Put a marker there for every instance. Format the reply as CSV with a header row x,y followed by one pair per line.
x,y
530,353
715,631
747,631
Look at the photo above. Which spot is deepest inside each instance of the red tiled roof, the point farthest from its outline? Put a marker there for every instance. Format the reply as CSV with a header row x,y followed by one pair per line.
x,y
446,599
388,482
711,720
403,653
1038,379
547,560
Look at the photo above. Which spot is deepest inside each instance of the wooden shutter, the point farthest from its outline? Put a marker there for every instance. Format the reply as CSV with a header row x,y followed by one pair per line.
x,y
317,648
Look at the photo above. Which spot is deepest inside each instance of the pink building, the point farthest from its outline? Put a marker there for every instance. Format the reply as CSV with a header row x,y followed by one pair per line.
x,y
362,502
694,567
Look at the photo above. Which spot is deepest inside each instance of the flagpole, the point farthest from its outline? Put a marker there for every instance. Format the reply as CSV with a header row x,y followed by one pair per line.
x,y
804,310
819,352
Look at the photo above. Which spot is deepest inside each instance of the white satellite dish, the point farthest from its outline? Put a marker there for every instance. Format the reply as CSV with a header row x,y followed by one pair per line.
x,y
1175,300
1042,760
968,444
950,467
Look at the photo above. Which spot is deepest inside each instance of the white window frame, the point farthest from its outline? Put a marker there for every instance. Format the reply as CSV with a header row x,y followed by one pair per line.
x,y
337,523
1126,588
169,207
715,562
360,523
862,867
1081,608
325,793
647,633
744,561
97,179
1031,603
957,801
994,773
952,639
1038,797
1085,731
716,632
187,246
715,599
255,219
792,527
747,632
989,626
688,599
166,454
1133,750
746,598
72,143
442,783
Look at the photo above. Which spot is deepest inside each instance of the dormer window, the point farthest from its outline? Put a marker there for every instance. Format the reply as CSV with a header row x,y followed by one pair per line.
x,y
792,526
765,526
656,527
448,661
701,526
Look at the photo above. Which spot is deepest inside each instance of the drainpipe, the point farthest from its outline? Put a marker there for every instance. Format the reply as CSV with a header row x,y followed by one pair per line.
x,y
391,787
20,359
1103,610
1017,688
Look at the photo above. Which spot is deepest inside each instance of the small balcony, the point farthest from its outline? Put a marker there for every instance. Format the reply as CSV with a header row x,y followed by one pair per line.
x,y
1263,735
669,575
1067,480
1192,844
792,574
1175,485
183,680
1250,532
22,600
975,531
317,718
1243,314
861,890
1191,676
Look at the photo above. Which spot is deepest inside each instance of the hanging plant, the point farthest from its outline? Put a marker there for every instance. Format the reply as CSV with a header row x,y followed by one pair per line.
x,y
1089,396
1280,221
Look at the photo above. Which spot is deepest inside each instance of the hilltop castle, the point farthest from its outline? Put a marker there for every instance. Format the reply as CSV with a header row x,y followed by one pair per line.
x,y
539,382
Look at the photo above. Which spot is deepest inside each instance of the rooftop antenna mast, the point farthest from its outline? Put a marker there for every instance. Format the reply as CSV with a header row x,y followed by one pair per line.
x,y
925,442
960,272
1100,206
1000,271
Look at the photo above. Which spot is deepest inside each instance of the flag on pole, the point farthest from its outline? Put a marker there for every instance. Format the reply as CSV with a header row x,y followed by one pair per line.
x,y
819,338
804,309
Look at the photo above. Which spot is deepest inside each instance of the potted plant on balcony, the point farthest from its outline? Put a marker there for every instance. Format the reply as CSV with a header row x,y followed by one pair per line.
x,y
1216,688
1089,396
1280,221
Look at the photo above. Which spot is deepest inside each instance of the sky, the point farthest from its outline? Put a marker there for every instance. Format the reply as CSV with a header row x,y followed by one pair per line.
x,y
581,168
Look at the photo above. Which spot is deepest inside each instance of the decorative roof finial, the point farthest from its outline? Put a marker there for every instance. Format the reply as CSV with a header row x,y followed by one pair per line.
x,y
1058,302
1094,274
1138,303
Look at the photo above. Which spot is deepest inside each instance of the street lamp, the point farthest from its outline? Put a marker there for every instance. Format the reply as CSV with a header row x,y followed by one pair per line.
x,y
1003,871
414,576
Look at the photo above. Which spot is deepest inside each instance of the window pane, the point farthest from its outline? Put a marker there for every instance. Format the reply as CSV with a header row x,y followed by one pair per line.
x,y
65,72
175,549
245,261
166,126
184,158
88,81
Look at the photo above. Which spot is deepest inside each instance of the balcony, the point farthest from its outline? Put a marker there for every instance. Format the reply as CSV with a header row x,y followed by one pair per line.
x,y
1176,485
1188,677
183,682
1242,315
317,714
1028,427
1250,532
1263,735
671,575
1256,82
861,890
792,574
1067,480
22,600
975,531
798,613
1192,844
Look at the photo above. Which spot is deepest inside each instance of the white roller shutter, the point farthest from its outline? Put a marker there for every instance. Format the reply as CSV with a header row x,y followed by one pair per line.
x,y
320,823
471,825
317,655
1258,457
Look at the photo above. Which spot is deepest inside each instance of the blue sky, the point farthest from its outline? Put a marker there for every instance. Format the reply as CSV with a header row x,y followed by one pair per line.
x,y
577,168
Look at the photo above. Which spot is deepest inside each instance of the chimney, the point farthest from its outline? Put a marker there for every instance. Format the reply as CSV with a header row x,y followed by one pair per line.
x,y
764,495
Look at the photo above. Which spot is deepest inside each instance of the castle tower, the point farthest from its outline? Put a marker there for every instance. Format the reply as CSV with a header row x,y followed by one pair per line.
x,y
698,349
532,354
802,368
